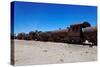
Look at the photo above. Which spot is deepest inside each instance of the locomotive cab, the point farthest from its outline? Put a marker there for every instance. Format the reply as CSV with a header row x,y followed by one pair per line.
x,y
75,34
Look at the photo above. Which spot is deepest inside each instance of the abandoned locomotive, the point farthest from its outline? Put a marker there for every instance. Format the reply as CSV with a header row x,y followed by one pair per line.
x,y
77,33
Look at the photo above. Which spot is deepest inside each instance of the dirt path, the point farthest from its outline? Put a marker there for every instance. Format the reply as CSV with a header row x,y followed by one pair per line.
x,y
35,52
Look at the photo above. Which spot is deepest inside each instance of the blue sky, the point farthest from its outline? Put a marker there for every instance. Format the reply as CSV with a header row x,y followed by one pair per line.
x,y
45,17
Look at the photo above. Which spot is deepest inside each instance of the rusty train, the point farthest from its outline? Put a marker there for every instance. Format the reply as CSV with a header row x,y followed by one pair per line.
x,y
77,33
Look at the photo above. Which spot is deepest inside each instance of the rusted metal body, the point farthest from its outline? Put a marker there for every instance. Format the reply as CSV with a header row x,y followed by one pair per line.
x,y
74,35
77,33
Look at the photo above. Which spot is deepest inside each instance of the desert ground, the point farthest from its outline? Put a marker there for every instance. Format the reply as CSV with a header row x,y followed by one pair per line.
x,y
37,52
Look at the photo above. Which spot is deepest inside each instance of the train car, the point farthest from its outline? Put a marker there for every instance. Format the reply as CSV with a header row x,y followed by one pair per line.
x,y
79,33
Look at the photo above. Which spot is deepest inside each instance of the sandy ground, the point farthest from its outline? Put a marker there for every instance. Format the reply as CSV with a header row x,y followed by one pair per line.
x,y
36,52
